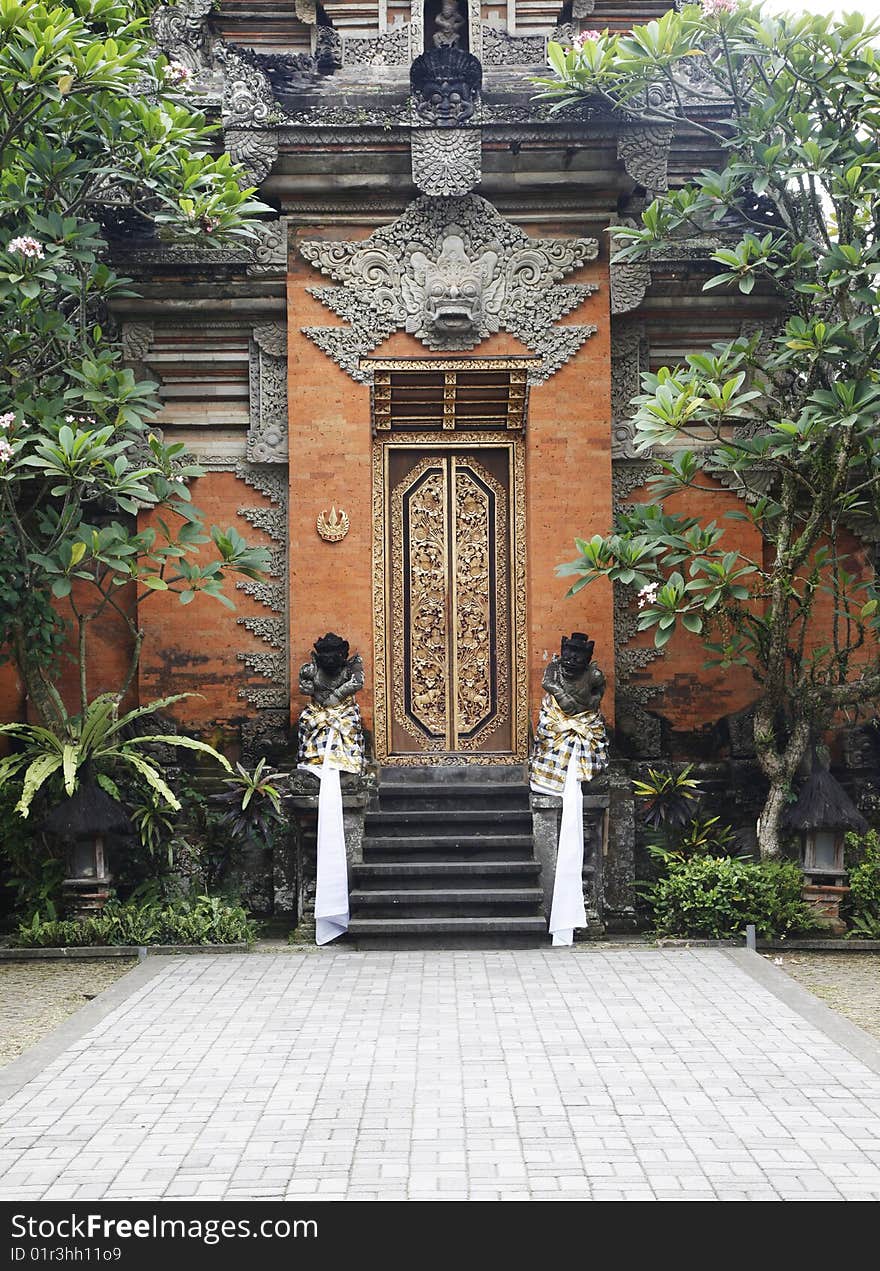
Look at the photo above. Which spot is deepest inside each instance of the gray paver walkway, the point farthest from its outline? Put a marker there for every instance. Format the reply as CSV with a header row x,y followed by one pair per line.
x,y
558,1074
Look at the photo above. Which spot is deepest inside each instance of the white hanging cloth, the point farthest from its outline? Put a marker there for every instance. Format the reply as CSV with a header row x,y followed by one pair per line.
x,y
567,910
331,891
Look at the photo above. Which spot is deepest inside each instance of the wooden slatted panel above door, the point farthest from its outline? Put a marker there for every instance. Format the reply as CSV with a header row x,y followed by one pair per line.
x,y
430,394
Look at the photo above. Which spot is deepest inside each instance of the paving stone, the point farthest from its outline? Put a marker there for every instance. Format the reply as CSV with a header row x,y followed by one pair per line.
x,y
618,1074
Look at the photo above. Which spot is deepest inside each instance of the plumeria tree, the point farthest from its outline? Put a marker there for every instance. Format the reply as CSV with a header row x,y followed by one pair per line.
x,y
791,414
95,130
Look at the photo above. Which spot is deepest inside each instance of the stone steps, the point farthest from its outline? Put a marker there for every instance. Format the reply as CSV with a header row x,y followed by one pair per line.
x,y
447,902
509,931
448,861
448,848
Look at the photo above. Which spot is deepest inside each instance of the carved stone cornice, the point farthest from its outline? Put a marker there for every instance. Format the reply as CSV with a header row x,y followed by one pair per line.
x,y
264,257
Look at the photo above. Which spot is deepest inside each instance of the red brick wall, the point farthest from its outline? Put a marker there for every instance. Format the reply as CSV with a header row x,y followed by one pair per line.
x,y
194,648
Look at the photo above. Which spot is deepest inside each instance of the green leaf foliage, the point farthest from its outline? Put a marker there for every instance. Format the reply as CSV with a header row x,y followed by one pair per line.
x,y
96,137
787,416
718,897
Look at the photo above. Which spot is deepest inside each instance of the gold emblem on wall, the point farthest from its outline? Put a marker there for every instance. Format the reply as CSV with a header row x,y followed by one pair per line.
x,y
332,525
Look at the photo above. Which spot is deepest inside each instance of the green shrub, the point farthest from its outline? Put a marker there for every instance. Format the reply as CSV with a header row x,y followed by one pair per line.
x,y
205,920
864,884
719,896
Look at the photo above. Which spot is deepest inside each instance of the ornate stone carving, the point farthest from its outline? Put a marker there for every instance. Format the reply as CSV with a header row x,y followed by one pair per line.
x,y
267,730
272,630
446,163
286,73
306,11
328,50
629,279
267,436
269,252
256,150
137,339
248,101
475,27
271,481
645,154
582,8
271,337
249,111
629,357
501,49
445,86
181,33
448,25
451,271
390,49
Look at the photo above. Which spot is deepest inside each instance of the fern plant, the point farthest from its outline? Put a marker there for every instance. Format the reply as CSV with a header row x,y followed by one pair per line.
x,y
94,743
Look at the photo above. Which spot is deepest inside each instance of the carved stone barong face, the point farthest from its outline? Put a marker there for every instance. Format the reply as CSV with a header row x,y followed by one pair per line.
x,y
451,272
445,86
450,298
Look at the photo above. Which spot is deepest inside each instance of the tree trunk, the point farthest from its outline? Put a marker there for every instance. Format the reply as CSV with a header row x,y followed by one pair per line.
x,y
779,765
768,834
43,697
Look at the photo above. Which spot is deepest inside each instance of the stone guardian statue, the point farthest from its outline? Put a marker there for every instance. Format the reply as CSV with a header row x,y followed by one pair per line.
x,y
331,679
570,725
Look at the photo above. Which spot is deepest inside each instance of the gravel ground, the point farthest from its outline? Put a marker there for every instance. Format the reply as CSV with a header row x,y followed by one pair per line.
x,y
847,982
36,997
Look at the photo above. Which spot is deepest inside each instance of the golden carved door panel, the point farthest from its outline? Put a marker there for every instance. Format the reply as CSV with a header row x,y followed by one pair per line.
x,y
450,570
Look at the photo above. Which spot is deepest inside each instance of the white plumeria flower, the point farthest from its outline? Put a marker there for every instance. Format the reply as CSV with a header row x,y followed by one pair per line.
x,y
178,74
648,594
24,245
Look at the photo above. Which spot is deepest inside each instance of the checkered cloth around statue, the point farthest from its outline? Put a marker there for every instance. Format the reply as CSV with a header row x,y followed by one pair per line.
x,y
341,726
561,738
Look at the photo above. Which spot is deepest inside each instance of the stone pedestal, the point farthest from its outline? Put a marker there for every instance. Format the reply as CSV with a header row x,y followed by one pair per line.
x,y
546,816
824,899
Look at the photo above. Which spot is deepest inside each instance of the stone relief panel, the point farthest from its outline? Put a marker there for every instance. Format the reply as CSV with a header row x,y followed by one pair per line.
x,y
630,279
629,357
451,272
273,665
501,49
390,49
267,436
181,33
446,162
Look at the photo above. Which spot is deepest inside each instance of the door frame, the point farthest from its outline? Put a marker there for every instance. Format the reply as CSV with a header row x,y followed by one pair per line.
x,y
382,633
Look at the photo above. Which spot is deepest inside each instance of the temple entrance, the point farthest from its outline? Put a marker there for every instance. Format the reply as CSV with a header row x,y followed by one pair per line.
x,y
450,621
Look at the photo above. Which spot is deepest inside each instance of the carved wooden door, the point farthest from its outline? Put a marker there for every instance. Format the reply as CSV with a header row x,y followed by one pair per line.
x,y
449,669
